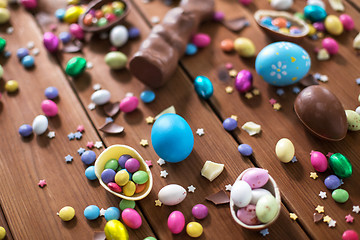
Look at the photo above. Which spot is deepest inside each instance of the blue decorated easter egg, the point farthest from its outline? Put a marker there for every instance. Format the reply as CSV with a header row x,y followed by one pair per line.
x,y
172,138
203,87
282,63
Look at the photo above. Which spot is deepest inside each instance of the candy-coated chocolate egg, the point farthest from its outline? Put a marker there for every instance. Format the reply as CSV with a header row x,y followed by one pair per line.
x,y
332,182
247,215
116,60
194,229
244,47
29,4
88,157
4,15
318,161
51,41
129,104
282,63
76,31
340,165
124,203
101,97
199,211
75,66
72,14
333,25
2,44
112,213
119,36
353,120
49,108
241,193
244,81
122,177
115,230
129,189
340,195
25,130
131,218
11,86
315,13
2,233
172,194
347,22
90,173
267,208
281,4
40,124
67,213
350,235
51,92
176,222
256,177
201,40
203,87
140,177
91,212
147,96
285,150
230,124
330,45
132,165
227,45
256,194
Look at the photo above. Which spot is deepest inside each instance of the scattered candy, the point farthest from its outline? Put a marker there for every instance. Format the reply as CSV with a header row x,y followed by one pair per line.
x,y
244,47
313,175
101,97
51,134
322,194
200,131
119,36
285,150
75,66
319,209
230,124
49,108
176,222
147,96
293,216
319,161
92,212
116,60
51,92
2,233
90,173
340,195
245,149
124,203
203,87
340,165
51,42
114,229
129,104
42,184
201,40
25,130
131,218
66,213
164,173
11,86
199,211
350,235
191,188
40,124
194,229
112,213
332,182
349,218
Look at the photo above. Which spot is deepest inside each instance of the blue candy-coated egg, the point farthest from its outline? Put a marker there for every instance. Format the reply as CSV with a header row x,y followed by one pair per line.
x,y
88,157
25,130
65,37
274,28
229,124
112,213
245,149
60,13
51,92
90,173
203,87
332,182
22,52
28,61
295,31
315,13
267,21
130,175
282,63
92,212
147,96
133,32
172,137
191,49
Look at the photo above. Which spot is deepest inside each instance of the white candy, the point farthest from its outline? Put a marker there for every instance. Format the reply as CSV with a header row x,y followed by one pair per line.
x,y
119,36
281,4
319,3
40,124
101,97
241,193
256,194
172,194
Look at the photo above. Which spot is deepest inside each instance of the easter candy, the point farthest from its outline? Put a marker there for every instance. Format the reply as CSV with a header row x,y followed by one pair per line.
x,y
119,36
333,25
129,188
72,14
88,157
77,31
1,71
229,124
65,37
353,120
22,52
49,108
176,222
285,150
350,235
347,22
115,230
40,124
51,92
267,208
319,161
131,218
199,211
191,49
172,194
111,164
203,87
194,229
11,86
28,61
3,4
122,177
67,213
60,14
116,60
92,212
330,45
129,104
29,4
133,33
332,182
90,173
25,130
244,47
124,203
101,97
256,194
244,81
340,195
241,193
282,63
201,40
75,66
132,165
319,26
2,44
114,187
108,175
247,215
122,160
140,177
245,149
147,96
227,45
51,41
112,213
140,187
172,138
2,233
4,15
281,4
340,165
256,177
315,13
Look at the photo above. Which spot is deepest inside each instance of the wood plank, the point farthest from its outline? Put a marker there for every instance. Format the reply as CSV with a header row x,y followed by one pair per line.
x,y
299,191
30,210
179,93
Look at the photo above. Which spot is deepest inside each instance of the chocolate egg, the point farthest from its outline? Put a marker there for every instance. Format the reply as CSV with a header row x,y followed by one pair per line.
x,y
321,112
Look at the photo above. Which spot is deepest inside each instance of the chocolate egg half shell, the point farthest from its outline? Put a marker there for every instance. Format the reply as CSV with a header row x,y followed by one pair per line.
x,y
321,112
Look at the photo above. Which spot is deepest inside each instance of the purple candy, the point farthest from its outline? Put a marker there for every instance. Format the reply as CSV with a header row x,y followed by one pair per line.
x,y
88,157
319,26
332,182
245,149
65,37
199,211
134,33
132,165
244,80
229,124
51,41
108,175
123,159
218,16
22,52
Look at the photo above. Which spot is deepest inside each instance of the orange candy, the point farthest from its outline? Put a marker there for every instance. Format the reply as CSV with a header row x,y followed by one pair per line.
x,y
279,22
140,187
88,19
99,14
227,45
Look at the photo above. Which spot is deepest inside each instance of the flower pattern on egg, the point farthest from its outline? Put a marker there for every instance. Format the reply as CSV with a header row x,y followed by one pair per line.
x,y
306,58
285,45
278,70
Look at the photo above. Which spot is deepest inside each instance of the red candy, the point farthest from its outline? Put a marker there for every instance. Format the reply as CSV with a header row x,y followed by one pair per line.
x,y
279,22
114,187
110,17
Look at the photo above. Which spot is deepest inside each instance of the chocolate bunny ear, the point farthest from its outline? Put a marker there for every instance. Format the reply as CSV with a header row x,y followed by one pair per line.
x,y
158,56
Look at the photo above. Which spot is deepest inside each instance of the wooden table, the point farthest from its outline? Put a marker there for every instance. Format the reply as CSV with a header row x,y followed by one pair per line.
x,y
29,212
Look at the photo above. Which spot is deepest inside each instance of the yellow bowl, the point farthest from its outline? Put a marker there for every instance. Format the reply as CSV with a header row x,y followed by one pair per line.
x,y
271,187
114,152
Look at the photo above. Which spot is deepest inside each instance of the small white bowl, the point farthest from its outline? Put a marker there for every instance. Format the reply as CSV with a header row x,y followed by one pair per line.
x,y
271,187
114,152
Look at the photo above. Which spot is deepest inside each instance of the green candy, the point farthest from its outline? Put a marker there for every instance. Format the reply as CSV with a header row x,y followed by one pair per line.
x,y
118,169
111,164
2,44
267,208
126,204
340,165
116,60
75,66
299,15
102,22
150,238
140,177
340,195
118,11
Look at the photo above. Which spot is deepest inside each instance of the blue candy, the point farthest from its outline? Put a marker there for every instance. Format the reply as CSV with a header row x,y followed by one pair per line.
x,y
22,52
88,157
147,96
28,61
332,182
266,21
245,150
229,124
90,173
25,130
92,212
65,37
112,213
133,32
191,49
60,13
51,92
203,87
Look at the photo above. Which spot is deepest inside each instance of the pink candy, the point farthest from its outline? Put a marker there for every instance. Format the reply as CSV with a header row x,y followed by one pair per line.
x,y
77,31
201,40
49,108
114,187
29,4
256,177
347,22
176,222
51,41
350,235
244,80
131,218
319,161
248,215
245,2
129,104
330,45
110,17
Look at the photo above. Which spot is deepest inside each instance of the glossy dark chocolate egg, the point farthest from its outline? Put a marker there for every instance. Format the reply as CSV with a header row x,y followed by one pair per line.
x,y
321,112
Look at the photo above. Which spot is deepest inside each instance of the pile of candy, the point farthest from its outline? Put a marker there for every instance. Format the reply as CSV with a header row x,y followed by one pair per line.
x,y
106,14
280,24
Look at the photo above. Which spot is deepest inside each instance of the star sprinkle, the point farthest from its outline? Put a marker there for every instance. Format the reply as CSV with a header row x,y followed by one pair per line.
x,y
356,209
98,144
89,65
78,135
42,183
332,223
71,136
296,90
329,154
264,232
144,142
313,175
293,216
80,151
324,78
36,51
191,188
149,120
109,119
229,89
272,101
91,106
96,87
161,161
149,163
200,131
234,117
294,159
341,182
358,81
155,19
277,106
158,203
280,91
68,159
228,187
9,30
248,95
349,218
129,94
256,91
51,134
233,73
327,219
102,212
322,194
163,173
90,145
80,128
319,209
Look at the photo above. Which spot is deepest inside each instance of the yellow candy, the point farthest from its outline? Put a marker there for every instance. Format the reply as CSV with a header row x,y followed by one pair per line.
x,y
2,233
333,25
312,30
72,14
11,86
118,4
67,213
129,189
284,30
106,9
115,230
285,150
244,47
3,3
194,229
122,177
1,71
4,15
